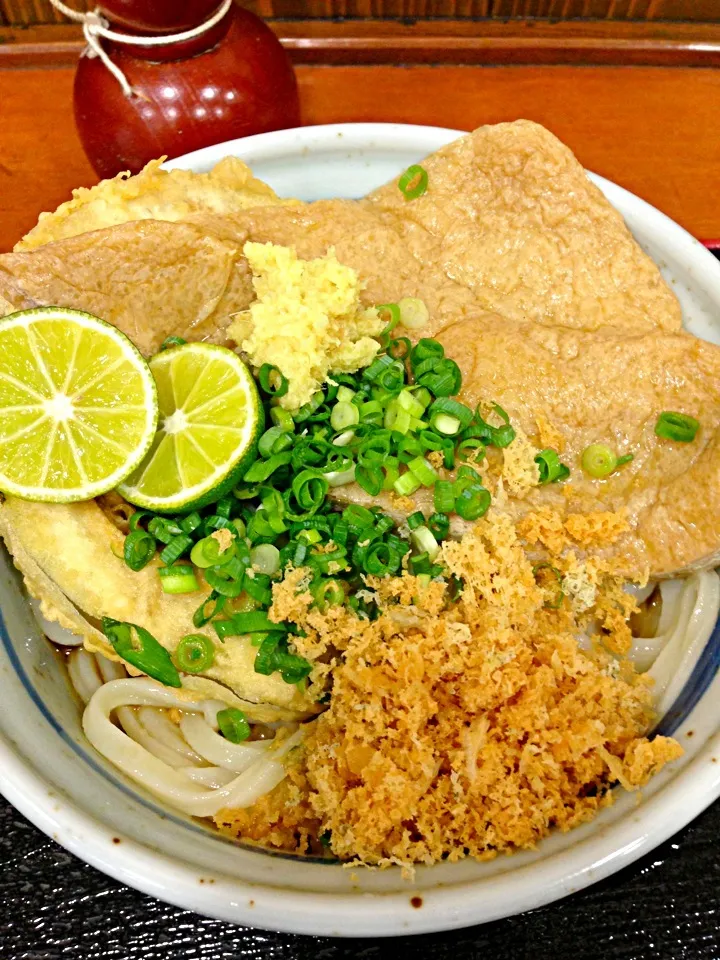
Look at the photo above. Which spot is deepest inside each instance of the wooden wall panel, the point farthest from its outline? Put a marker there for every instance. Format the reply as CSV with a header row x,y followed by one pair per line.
x,y
610,9
41,11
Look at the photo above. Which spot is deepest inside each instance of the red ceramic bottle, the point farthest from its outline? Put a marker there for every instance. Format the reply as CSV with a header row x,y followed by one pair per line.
x,y
232,81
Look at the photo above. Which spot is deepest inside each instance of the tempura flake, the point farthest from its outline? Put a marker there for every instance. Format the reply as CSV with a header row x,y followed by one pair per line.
x,y
461,728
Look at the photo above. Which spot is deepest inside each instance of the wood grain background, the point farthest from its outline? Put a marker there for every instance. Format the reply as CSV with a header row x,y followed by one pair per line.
x,y
14,12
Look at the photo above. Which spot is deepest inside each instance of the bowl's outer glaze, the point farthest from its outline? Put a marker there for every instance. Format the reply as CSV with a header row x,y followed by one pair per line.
x,y
52,776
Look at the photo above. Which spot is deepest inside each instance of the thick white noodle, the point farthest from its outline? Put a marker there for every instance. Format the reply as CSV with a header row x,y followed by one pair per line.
x,y
208,776
159,725
84,674
130,723
219,751
163,779
684,638
53,631
110,669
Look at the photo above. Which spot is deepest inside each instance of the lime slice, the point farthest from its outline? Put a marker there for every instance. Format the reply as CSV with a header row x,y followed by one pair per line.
x,y
210,421
78,405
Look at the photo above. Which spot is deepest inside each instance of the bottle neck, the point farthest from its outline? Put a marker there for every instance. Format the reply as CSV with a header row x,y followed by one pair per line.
x,y
157,16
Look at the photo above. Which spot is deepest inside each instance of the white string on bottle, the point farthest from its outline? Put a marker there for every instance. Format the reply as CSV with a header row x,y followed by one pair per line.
x,y
96,27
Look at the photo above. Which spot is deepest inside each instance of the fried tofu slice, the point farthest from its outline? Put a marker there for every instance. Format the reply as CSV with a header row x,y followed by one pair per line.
x,y
512,216
148,278
609,388
510,224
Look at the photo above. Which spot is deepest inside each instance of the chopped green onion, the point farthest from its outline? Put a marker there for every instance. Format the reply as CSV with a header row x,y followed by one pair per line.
x,y
391,472
172,342
444,496
448,426
409,401
625,459
175,549
598,460
414,182
415,519
344,438
443,378
423,471
191,522
208,609
471,449
406,484
273,655
420,565
493,436
233,725
309,490
375,448
425,542
266,559
344,415
399,349
138,647
274,440
281,418
371,412
195,653
164,529
139,549
381,559
473,502
223,508
178,579
272,380
261,470
255,621
389,313
679,427
225,580
439,525
396,418
338,478
378,365
551,469
136,518
344,394
265,661
413,313
426,349
309,408
207,553
391,379
452,408
357,517
328,593
370,477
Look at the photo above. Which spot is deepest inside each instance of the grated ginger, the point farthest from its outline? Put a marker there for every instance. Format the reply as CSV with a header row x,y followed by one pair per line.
x,y
307,319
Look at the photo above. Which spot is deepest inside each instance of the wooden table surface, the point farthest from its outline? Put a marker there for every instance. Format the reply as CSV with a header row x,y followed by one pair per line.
x,y
652,129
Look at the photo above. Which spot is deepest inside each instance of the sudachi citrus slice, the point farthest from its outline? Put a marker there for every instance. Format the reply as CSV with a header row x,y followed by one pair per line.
x,y
210,421
78,405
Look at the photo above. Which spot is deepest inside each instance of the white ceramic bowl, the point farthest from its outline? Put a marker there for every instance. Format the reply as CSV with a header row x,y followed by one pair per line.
x,y
51,774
